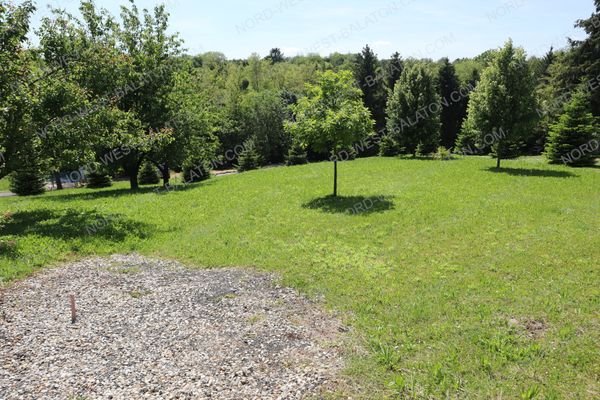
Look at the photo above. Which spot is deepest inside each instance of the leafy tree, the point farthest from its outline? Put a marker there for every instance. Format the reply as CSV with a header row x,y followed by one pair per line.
x,y
331,117
151,50
148,174
574,138
15,73
367,74
66,141
191,124
255,65
503,104
263,116
414,111
125,71
452,110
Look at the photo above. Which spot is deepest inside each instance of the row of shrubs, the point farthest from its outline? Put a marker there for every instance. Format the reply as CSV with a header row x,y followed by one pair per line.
x,y
32,182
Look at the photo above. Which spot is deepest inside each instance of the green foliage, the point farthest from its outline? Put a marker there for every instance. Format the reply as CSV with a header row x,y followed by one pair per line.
x,y
195,171
264,114
249,157
66,142
393,71
148,174
574,139
443,154
15,75
388,147
413,111
586,58
27,181
98,180
408,273
331,118
368,75
503,102
453,105
97,176
193,118
4,184
297,155
275,56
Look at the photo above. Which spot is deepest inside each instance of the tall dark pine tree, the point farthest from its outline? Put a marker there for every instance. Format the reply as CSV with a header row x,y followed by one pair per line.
x,y
547,61
452,114
587,56
275,56
367,74
393,69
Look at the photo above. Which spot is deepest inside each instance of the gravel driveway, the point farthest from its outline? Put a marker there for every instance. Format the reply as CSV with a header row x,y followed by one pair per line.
x,y
152,329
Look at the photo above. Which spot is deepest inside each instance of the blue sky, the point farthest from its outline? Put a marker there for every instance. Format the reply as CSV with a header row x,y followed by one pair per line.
x,y
418,28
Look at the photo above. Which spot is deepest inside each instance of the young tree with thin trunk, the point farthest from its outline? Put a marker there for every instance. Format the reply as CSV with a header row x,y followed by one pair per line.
x,y
331,117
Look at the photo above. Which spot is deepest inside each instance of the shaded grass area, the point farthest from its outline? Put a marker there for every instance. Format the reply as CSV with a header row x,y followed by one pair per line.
x,y
458,279
352,205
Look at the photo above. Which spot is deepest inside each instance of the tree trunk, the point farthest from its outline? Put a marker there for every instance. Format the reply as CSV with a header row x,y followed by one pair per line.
x,y
133,180
335,174
499,155
132,170
166,175
59,185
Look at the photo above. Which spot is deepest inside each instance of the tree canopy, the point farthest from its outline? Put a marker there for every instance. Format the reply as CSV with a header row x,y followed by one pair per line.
x,y
331,117
502,109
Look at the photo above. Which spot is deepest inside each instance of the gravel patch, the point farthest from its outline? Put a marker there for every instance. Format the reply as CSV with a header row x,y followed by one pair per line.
x,y
153,329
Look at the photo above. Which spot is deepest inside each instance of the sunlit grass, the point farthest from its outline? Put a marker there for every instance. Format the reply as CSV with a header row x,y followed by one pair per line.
x,y
4,185
460,280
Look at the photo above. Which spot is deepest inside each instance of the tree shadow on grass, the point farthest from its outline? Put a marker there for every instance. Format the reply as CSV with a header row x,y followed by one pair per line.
x,y
533,172
351,205
72,224
70,195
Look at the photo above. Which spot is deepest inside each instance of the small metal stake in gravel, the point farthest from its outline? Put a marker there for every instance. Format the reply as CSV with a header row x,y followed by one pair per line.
x,y
73,310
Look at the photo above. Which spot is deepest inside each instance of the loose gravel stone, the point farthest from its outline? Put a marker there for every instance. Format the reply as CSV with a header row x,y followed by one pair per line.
x,y
153,329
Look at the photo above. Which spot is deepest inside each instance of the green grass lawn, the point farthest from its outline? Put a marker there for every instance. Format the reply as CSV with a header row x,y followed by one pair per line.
x,y
4,185
460,281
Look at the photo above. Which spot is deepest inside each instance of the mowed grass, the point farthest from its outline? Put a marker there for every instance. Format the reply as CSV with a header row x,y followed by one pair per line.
x,y
459,281
4,185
